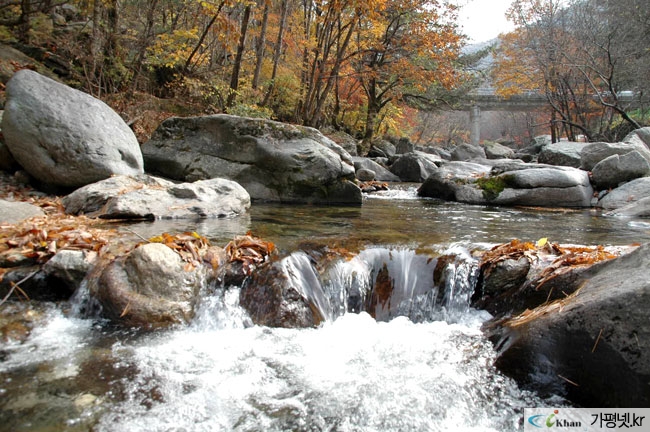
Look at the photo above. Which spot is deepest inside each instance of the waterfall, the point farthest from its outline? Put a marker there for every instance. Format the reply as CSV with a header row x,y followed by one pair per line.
x,y
387,283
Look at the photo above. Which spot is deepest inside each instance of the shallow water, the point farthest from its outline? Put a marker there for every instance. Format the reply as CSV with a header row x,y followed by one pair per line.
x,y
428,370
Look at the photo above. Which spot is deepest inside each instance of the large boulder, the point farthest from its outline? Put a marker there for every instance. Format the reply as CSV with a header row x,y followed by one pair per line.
x,y
614,170
533,185
626,194
466,152
147,197
593,153
64,137
151,287
590,347
273,161
495,150
564,153
414,166
381,172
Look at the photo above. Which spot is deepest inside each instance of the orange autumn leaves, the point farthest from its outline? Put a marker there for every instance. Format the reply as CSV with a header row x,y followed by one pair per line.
x,y
563,258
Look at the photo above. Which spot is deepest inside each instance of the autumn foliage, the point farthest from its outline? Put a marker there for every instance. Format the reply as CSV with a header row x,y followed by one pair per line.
x,y
348,63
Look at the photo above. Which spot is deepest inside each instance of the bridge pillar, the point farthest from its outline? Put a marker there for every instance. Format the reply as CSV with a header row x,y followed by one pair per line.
x,y
475,125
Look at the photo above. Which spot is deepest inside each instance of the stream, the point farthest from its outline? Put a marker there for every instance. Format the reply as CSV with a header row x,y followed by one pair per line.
x,y
423,366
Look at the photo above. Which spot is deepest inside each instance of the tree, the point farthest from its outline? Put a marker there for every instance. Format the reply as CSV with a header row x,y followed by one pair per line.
x,y
580,57
407,47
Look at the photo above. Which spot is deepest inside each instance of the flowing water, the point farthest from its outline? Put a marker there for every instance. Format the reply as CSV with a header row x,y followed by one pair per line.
x,y
416,361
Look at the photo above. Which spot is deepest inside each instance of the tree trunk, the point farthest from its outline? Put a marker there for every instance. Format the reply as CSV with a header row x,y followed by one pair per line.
x,y
261,45
234,80
23,23
188,62
147,36
277,50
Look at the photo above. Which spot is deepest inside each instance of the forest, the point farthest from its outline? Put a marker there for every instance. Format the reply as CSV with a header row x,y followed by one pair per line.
x,y
368,68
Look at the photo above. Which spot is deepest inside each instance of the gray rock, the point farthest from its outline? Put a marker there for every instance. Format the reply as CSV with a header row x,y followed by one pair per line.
x,y
364,174
639,136
564,153
381,172
404,145
591,348
271,160
614,170
382,148
16,211
639,208
466,152
70,267
626,194
7,161
593,153
449,180
64,137
147,197
147,288
346,141
538,186
414,167
498,151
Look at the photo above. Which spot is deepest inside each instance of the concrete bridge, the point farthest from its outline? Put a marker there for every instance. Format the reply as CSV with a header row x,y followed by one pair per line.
x,y
487,100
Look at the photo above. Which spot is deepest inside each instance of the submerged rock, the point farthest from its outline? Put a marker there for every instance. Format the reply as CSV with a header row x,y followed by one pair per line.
x,y
273,161
64,137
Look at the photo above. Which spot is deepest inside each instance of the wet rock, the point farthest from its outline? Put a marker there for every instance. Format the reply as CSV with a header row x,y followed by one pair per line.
x,y
275,297
70,267
16,211
590,347
18,319
69,138
147,197
149,288
615,169
626,194
381,172
564,153
414,166
273,161
466,152
639,208
34,283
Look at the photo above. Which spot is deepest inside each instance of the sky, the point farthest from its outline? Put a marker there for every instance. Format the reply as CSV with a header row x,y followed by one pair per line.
x,y
483,20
